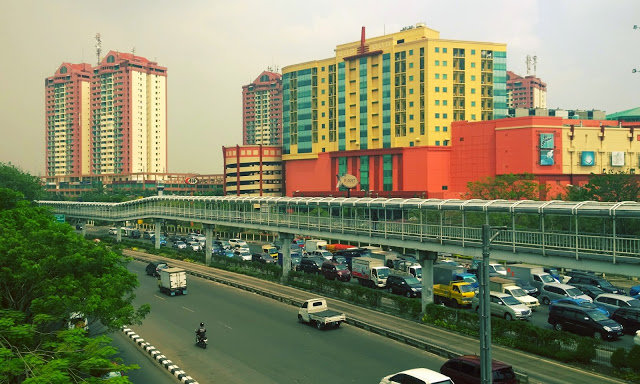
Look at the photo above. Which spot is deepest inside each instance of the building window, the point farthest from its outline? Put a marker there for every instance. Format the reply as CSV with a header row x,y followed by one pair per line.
x,y
444,50
411,118
437,89
411,91
323,80
437,102
322,102
473,103
437,49
411,103
437,62
410,129
444,63
444,115
444,102
473,77
444,89
445,142
437,128
473,51
410,52
473,117
437,143
410,65
473,91
437,115
437,76
411,78
473,65
444,76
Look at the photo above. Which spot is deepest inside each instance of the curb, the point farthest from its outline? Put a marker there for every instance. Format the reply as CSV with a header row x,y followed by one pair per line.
x,y
160,358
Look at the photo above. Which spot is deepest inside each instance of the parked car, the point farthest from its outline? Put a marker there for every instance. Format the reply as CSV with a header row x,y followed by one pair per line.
x,y
505,306
338,259
333,271
554,273
217,250
229,253
553,291
590,290
466,370
243,253
407,286
113,231
194,246
629,318
262,257
525,285
596,281
321,253
237,243
636,338
580,303
154,267
583,321
612,301
311,265
179,245
417,375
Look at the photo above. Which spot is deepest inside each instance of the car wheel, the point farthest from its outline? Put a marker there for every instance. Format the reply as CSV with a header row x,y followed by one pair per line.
x,y
478,309
597,335
390,290
408,294
454,304
545,300
507,316
559,327
318,325
300,319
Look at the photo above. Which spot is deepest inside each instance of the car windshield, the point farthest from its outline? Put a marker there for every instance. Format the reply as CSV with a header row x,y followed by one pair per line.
x,y
518,292
384,272
340,259
553,271
464,288
547,279
510,300
180,242
470,280
605,283
341,267
408,280
634,303
572,292
272,250
597,316
500,268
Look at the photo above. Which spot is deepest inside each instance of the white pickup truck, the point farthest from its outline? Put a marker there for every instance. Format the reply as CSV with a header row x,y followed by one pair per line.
x,y
316,311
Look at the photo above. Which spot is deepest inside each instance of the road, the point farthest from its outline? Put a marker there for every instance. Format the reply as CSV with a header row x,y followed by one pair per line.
x,y
130,353
256,339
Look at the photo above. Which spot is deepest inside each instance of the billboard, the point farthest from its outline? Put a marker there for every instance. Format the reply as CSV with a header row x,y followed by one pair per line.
x,y
588,158
547,144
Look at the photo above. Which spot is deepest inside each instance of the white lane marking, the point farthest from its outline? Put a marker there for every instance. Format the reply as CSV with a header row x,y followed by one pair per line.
x,y
159,297
224,325
190,310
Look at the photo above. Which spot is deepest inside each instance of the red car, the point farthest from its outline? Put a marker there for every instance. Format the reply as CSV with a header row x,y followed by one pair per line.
x,y
466,370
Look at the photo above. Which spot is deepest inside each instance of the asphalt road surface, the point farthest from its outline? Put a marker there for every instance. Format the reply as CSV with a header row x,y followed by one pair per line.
x,y
253,339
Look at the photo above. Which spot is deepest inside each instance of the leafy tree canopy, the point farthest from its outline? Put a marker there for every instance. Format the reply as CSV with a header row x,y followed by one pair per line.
x,y
509,187
13,178
47,273
613,186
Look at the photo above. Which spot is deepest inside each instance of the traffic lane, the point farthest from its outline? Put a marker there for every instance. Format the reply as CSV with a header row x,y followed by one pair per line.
x,y
150,371
256,339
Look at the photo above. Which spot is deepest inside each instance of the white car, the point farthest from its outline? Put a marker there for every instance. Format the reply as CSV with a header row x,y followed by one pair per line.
x,y
113,231
243,253
637,338
237,243
417,375
195,246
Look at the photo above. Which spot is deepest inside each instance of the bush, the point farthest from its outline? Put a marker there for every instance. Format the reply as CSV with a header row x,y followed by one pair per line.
x,y
586,350
633,358
619,358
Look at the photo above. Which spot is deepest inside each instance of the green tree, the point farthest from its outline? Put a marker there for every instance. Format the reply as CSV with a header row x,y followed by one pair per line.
x,y
47,273
613,186
509,187
13,178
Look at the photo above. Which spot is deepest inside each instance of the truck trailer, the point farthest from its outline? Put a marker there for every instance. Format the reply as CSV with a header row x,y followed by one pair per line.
x,y
369,271
173,281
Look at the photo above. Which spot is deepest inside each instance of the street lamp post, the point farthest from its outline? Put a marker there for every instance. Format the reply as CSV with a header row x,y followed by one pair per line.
x,y
486,371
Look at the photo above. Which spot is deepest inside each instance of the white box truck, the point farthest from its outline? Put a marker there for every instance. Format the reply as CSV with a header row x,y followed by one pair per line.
x,y
173,281
534,274
315,245
369,271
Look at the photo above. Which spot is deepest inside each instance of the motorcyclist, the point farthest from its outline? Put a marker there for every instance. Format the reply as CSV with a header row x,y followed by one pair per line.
x,y
201,333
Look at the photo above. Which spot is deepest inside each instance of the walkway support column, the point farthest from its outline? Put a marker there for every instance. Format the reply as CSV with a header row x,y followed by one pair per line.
x,y
286,254
157,224
208,234
427,259
119,226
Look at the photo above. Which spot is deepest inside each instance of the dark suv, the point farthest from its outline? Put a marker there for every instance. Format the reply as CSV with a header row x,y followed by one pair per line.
x,y
311,265
407,286
629,318
334,271
154,267
596,281
466,370
583,321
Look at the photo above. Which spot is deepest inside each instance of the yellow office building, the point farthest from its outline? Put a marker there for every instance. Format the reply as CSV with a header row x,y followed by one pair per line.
x,y
398,90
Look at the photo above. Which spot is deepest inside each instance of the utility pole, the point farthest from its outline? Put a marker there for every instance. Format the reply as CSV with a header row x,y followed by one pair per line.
x,y
486,371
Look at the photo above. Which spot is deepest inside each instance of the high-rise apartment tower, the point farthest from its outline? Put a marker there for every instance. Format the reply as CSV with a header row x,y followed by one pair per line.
x,y
262,110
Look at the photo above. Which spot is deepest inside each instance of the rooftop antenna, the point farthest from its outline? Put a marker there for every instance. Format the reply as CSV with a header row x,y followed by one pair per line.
x,y
528,62
133,51
98,46
535,65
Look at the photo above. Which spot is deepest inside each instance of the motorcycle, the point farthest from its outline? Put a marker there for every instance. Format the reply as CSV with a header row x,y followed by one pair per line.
x,y
201,342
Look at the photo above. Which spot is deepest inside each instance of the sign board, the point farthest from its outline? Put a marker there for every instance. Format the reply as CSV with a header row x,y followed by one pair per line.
x,y
60,218
348,181
191,180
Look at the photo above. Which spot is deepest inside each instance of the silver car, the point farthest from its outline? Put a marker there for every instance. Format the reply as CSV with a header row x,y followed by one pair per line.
x,y
554,291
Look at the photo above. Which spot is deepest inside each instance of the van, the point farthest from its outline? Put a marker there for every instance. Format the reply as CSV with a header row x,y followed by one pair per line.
x,y
271,250
554,291
466,370
612,301
583,321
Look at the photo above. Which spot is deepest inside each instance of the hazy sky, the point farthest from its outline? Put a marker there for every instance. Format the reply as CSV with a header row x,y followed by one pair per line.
x,y
586,50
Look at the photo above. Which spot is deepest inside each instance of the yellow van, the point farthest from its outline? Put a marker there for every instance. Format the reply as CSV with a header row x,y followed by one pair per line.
x,y
271,250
